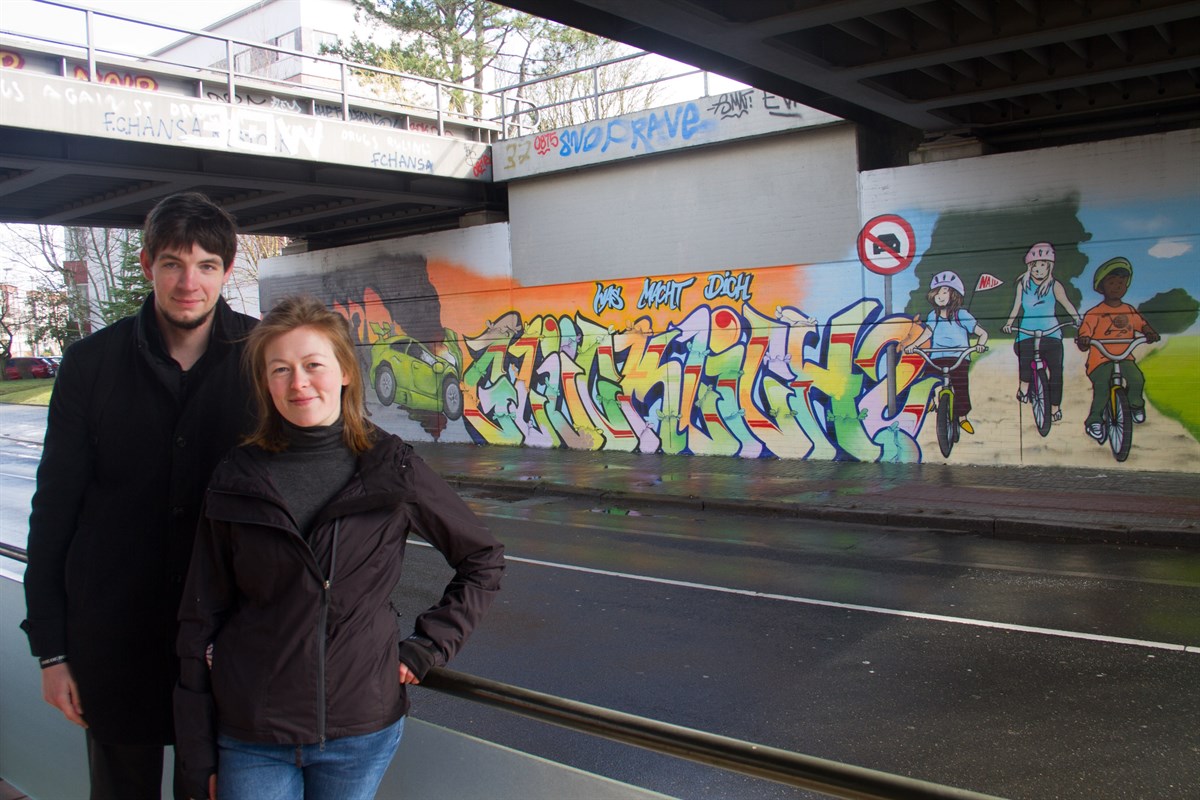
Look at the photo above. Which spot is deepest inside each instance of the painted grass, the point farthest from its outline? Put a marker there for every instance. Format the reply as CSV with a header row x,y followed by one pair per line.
x,y
1173,380
34,392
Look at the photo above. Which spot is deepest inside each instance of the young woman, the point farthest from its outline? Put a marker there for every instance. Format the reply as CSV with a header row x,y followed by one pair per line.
x,y
293,681
1038,296
949,328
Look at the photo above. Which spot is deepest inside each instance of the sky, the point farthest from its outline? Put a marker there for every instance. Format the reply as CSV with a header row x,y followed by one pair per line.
x,y
43,20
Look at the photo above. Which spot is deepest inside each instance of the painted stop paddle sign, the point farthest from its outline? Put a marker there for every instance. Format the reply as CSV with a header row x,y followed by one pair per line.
x,y
887,245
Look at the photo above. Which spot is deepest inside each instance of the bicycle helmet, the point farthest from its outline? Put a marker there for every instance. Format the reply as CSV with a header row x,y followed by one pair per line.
x,y
947,278
1042,251
1108,267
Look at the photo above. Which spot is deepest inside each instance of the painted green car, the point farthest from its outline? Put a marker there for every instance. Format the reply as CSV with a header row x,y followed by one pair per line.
x,y
406,372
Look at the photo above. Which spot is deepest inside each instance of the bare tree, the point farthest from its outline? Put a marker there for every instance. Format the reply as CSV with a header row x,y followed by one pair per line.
x,y
10,319
241,291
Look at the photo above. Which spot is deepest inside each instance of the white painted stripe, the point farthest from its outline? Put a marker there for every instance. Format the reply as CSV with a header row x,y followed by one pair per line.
x,y
18,477
1005,626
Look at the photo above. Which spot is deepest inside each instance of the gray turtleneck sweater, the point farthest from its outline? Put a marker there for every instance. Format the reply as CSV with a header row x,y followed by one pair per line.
x,y
314,467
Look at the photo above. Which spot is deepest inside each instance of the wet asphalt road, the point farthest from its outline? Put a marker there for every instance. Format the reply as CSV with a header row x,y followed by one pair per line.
x,y
976,663
1020,669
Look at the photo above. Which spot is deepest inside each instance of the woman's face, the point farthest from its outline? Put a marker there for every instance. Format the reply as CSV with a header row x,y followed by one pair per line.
x,y
304,378
1040,270
941,298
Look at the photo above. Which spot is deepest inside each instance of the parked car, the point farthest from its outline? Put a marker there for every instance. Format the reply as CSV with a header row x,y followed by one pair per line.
x,y
406,372
29,367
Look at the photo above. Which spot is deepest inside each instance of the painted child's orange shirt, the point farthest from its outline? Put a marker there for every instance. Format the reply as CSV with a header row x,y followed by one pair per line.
x,y
1107,322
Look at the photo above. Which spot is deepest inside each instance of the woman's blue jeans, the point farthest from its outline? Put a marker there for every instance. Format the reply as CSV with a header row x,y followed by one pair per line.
x,y
348,768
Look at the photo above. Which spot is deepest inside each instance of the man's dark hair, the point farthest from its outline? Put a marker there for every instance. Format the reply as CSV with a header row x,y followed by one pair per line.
x,y
183,220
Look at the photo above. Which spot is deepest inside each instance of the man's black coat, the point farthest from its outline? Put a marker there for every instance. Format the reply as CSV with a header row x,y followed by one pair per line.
x,y
128,452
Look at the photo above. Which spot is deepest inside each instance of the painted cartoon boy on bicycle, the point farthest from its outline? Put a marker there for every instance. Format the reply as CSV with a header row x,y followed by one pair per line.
x,y
1113,319
1038,296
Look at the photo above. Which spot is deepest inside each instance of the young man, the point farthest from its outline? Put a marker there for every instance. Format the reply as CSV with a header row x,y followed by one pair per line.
x,y
141,413
1112,318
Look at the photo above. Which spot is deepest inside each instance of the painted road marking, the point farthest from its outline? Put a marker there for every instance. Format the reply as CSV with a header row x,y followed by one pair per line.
x,y
1004,626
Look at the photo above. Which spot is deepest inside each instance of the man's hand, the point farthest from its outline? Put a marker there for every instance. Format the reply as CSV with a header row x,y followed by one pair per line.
x,y
212,786
60,691
406,675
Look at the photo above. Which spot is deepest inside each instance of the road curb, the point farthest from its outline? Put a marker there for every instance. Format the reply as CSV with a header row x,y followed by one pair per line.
x,y
1000,527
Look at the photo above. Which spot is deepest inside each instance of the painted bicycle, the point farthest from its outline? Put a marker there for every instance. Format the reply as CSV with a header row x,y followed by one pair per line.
x,y
1038,394
943,392
1118,417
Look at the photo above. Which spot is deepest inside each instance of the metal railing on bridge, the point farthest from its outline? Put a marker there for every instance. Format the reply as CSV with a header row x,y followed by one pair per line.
x,y
73,41
820,775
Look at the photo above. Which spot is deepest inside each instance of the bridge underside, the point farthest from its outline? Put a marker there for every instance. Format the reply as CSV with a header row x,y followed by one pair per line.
x,y
1014,74
61,179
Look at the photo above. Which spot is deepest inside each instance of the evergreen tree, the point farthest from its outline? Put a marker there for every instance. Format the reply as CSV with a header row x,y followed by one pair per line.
x,y
130,287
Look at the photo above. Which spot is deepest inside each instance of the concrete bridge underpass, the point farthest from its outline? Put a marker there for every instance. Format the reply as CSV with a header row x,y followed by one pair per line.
x,y
93,137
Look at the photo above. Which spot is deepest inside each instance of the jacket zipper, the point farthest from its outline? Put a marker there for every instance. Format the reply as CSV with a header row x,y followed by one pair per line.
x,y
322,630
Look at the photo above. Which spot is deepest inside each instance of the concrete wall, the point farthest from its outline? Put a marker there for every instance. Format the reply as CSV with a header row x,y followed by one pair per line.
x,y
751,203
731,300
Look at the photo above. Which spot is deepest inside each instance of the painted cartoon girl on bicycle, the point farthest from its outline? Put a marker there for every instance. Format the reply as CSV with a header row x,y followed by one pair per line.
x,y
1038,296
948,329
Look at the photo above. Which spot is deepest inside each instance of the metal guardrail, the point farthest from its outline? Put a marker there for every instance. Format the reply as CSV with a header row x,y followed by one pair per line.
x,y
770,763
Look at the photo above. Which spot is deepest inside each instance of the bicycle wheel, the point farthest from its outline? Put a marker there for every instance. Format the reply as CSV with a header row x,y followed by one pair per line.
x,y
1120,425
945,423
1039,400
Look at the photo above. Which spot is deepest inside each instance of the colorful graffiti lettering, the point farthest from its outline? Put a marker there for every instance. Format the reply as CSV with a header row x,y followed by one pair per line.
x,y
546,142
11,60
144,82
608,297
720,381
658,125
663,294
481,166
733,287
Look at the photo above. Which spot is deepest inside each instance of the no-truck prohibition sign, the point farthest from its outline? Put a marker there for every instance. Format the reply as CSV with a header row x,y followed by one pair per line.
x,y
887,244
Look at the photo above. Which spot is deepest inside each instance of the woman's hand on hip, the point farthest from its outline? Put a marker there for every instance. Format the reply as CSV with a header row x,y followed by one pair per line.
x,y
406,675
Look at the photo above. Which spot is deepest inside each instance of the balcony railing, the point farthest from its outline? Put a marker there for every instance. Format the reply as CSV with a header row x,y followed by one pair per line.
x,y
231,69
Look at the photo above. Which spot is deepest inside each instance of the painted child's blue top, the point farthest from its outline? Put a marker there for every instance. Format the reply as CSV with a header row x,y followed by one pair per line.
x,y
1038,312
949,332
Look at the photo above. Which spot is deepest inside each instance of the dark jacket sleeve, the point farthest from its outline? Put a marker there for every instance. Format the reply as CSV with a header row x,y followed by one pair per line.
x,y
208,597
63,477
444,520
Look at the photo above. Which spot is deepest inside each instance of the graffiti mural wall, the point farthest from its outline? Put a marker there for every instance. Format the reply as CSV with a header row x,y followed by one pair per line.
x,y
915,347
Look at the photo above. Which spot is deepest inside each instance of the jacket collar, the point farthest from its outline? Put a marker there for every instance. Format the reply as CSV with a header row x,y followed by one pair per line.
x,y
241,490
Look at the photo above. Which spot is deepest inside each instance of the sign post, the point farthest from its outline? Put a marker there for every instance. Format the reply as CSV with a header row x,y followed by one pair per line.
x,y
886,246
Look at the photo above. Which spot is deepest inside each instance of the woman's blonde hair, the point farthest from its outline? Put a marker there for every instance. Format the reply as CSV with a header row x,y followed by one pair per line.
x,y
290,313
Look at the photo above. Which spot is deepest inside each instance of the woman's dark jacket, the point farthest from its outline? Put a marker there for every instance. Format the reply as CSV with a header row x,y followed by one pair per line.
x,y
304,637
128,452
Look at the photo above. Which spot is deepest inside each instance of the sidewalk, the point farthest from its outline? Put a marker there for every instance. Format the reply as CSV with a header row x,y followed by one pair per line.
x,y
1100,504
1109,505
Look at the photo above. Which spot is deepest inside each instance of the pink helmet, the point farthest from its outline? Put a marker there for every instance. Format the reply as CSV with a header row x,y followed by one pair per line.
x,y
1042,251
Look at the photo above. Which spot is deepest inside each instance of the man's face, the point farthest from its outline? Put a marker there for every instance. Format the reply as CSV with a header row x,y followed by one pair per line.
x,y
1114,286
187,285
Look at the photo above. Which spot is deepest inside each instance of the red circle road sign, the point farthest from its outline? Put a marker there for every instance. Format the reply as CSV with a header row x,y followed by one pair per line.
x,y
887,245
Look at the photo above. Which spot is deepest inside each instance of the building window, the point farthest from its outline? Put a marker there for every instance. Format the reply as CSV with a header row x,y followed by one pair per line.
x,y
289,41
323,41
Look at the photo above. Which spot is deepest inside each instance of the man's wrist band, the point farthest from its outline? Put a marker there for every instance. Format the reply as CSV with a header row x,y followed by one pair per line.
x,y
50,662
